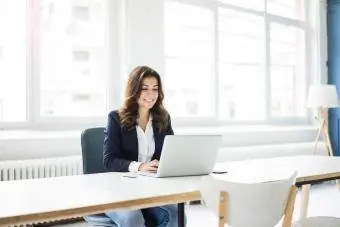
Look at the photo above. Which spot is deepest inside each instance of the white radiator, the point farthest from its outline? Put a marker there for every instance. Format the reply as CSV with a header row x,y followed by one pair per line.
x,y
40,168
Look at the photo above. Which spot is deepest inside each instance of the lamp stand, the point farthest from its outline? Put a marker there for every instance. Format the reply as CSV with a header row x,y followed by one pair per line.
x,y
323,129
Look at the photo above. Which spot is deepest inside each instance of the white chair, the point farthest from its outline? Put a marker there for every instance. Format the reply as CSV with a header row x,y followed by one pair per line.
x,y
240,204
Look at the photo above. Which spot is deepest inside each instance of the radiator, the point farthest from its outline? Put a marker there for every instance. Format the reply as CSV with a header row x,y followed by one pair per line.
x,y
40,168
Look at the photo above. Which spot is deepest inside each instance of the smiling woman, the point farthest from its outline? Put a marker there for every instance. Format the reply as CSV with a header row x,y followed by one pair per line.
x,y
144,92
133,141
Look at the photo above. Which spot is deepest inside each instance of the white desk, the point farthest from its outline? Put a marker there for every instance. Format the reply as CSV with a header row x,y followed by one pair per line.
x,y
28,201
310,169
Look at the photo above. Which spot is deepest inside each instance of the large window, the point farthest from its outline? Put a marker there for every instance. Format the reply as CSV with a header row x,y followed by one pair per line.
x,y
189,61
73,53
241,61
64,63
53,60
13,52
287,70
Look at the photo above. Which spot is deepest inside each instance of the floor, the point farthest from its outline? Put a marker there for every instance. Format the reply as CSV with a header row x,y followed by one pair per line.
x,y
324,201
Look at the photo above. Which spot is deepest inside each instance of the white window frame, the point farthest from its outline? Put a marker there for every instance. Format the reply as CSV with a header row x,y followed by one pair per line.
x,y
314,51
119,57
34,120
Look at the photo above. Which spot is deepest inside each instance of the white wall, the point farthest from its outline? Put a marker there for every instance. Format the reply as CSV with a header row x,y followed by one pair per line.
x,y
39,144
145,34
268,151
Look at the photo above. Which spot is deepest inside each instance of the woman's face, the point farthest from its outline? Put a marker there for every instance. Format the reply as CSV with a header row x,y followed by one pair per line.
x,y
149,93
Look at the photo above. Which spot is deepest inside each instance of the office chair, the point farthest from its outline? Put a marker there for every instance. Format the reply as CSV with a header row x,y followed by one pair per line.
x,y
92,154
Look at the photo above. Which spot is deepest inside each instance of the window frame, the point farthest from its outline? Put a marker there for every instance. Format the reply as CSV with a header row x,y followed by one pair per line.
x,y
34,120
119,59
269,18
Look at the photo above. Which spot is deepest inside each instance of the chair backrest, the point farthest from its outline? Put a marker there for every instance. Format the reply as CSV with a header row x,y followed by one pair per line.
x,y
92,140
250,204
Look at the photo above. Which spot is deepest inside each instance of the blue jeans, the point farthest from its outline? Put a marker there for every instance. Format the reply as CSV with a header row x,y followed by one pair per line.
x,y
164,216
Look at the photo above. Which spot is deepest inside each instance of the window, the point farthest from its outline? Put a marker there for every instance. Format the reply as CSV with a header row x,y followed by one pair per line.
x,y
63,63
13,30
236,61
294,9
54,61
287,70
73,52
241,57
189,60
248,4
81,12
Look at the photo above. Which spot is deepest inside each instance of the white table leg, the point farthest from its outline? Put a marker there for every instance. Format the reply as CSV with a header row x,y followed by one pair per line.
x,y
304,201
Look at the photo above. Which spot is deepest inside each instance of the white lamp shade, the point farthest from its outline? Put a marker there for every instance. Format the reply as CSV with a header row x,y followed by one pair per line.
x,y
322,95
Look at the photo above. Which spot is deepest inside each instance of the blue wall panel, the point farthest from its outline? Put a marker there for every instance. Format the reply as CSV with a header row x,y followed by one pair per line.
x,y
333,33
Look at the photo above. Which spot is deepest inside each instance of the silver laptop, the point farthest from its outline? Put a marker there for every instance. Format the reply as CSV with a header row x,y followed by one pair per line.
x,y
187,155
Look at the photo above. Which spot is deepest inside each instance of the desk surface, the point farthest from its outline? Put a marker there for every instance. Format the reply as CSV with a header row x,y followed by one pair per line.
x,y
309,169
26,201
70,196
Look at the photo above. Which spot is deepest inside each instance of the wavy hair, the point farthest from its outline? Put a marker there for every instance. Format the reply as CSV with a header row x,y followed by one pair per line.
x,y
128,112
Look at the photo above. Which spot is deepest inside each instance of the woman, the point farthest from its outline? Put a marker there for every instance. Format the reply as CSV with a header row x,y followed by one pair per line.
x,y
133,142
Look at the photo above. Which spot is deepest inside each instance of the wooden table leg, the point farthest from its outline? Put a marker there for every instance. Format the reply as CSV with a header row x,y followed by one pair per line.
x,y
304,201
181,215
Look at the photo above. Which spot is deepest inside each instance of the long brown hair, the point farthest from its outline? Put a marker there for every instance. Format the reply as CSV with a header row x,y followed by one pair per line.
x,y
128,113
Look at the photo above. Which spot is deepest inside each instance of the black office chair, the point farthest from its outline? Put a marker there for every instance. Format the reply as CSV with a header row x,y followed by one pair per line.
x,y
92,154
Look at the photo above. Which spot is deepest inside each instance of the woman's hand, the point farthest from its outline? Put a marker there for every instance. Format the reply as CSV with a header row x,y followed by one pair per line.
x,y
149,167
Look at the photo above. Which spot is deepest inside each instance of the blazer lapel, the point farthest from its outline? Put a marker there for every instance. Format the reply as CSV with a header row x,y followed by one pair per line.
x,y
158,144
131,142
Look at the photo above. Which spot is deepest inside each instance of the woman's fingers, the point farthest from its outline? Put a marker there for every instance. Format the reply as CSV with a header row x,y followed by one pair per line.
x,y
154,162
151,168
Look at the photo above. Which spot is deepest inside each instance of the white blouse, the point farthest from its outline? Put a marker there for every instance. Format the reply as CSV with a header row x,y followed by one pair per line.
x,y
146,146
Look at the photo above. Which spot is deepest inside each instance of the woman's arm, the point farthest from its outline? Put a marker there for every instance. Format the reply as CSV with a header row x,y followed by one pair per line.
x,y
112,146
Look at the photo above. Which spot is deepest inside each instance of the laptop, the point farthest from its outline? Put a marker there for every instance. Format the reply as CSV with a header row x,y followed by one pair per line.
x,y
187,155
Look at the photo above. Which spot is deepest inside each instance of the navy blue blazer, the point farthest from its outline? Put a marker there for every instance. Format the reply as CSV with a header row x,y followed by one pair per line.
x,y
121,145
